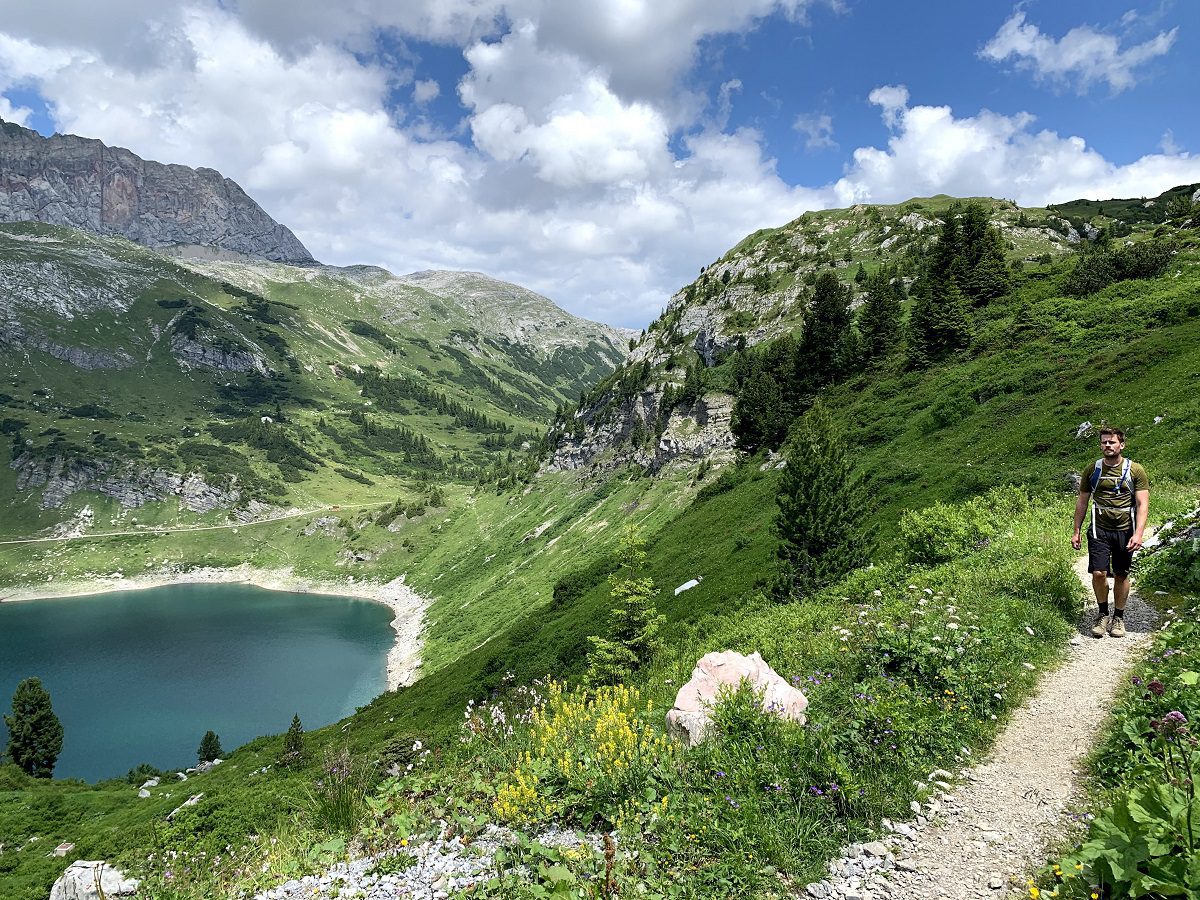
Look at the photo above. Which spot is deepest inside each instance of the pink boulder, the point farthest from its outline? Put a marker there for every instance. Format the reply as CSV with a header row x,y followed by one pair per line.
x,y
724,672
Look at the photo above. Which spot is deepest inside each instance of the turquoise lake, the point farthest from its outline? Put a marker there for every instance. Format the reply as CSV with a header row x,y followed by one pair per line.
x,y
139,676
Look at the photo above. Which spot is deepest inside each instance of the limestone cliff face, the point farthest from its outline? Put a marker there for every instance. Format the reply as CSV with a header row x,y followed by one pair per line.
x,y
82,183
58,477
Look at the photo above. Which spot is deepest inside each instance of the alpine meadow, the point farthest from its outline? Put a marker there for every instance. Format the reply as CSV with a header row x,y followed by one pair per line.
x,y
774,597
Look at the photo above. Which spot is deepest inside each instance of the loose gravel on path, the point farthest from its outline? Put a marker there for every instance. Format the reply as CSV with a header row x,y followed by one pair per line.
x,y
984,836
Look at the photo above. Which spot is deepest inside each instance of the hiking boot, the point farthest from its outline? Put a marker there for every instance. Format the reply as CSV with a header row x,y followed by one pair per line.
x,y
1101,627
1117,629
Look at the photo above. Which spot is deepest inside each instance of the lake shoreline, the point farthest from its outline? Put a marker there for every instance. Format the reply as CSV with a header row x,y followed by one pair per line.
x,y
407,606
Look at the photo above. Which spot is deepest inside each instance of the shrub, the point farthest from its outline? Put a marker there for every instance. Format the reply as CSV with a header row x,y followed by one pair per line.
x,y
1174,564
944,531
585,757
1145,842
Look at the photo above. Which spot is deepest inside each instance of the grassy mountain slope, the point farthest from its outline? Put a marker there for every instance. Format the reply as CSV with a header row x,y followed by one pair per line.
x,y
1004,412
758,291
123,366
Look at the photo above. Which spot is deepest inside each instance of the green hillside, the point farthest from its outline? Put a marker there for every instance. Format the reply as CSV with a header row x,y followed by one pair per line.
x,y
268,386
521,578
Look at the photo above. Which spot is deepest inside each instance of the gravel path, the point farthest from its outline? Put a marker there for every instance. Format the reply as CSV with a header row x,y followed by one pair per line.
x,y
984,836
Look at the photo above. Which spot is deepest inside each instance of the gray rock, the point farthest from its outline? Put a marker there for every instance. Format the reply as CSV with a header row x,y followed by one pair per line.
x,y
92,880
81,183
876,848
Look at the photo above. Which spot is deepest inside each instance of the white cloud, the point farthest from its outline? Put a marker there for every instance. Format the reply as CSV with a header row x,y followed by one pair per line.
x,y
892,99
424,90
817,130
1083,56
931,152
10,113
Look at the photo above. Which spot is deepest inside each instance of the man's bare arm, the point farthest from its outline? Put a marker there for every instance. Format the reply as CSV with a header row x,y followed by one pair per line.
x,y
1139,527
1080,511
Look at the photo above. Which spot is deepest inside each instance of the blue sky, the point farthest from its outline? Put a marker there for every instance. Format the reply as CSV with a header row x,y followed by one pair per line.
x,y
601,152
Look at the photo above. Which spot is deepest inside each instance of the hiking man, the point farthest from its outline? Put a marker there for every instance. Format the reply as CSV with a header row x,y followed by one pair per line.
x,y
1120,493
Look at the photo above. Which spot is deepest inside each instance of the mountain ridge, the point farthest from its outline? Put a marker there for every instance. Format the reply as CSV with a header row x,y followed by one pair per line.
x,y
84,183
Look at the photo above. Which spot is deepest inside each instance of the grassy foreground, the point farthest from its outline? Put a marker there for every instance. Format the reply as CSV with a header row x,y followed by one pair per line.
x,y
905,665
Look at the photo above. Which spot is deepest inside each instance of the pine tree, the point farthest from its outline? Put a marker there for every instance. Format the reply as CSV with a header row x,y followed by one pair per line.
x,y
939,323
879,321
635,621
822,509
990,277
293,744
210,747
35,735
759,418
825,330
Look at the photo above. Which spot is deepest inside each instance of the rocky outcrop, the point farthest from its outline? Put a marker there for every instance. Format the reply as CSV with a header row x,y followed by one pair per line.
x,y
718,674
692,433
193,354
16,336
132,486
88,880
82,183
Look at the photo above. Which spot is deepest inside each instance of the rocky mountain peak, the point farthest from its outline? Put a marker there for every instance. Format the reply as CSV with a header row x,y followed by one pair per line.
x,y
83,183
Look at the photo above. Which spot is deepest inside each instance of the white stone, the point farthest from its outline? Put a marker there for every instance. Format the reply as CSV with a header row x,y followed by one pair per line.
x,y
84,880
717,673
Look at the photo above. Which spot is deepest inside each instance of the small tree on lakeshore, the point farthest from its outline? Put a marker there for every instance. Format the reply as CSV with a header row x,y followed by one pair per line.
x,y
210,747
822,509
293,744
35,735
635,620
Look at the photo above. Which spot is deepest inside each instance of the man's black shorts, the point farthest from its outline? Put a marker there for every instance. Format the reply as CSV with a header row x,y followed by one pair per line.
x,y
1108,551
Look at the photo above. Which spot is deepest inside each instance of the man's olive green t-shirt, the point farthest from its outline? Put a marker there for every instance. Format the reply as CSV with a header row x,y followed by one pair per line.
x,y
1113,505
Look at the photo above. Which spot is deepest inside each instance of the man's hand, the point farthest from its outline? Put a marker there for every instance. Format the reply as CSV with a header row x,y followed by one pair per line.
x,y
1076,541
1135,543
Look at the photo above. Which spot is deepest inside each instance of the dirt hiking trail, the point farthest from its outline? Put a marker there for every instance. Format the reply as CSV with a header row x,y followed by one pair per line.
x,y
986,833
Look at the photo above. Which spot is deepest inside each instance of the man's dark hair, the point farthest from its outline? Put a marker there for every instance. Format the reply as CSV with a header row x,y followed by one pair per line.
x,y
1109,429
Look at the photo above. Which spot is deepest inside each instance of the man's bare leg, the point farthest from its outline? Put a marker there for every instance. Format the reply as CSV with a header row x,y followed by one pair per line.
x,y
1120,595
1120,591
1100,586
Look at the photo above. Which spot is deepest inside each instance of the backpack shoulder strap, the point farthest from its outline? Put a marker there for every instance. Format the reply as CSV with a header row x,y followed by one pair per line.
x,y
1094,483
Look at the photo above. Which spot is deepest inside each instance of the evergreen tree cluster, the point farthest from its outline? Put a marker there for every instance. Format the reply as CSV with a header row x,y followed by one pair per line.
x,y
966,268
774,386
391,393
417,449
